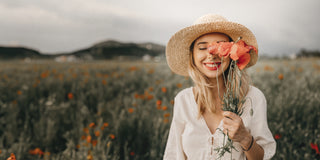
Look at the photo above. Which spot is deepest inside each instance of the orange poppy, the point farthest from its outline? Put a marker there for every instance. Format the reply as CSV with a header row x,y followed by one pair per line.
x,y
150,97
97,133
112,136
130,110
240,52
221,48
12,157
179,85
280,76
94,143
167,115
36,151
164,89
164,108
105,124
159,102
89,138
104,82
86,130
70,95
92,125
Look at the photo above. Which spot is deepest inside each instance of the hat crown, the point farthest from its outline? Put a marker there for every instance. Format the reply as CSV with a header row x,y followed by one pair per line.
x,y
210,18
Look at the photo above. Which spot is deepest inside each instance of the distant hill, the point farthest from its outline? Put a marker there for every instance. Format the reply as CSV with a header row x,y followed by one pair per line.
x,y
104,50
111,49
19,53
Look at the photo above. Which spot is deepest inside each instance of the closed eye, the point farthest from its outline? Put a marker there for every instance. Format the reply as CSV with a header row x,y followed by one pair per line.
x,y
202,48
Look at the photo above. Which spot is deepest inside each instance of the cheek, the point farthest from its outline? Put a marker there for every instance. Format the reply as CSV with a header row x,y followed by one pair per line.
x,y
198,56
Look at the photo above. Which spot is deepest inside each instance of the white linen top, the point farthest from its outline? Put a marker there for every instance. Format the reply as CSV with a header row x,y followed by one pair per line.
x,y
190,138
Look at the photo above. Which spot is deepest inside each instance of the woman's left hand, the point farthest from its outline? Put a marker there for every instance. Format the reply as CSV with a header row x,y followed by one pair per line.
x,y
233,125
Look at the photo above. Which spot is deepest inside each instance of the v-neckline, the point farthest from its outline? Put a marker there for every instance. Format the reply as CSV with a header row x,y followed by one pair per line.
x,y
202,118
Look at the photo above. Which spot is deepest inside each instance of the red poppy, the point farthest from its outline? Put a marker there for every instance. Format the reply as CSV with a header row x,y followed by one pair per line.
x,y
213,48
36,151
221,48
315,147
240,53
277,136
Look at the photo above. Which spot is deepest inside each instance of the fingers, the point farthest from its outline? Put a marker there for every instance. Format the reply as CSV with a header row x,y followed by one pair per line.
x,y
232,116
232,124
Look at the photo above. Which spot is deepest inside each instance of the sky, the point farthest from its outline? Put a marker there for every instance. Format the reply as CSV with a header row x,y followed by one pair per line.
x,y
282,27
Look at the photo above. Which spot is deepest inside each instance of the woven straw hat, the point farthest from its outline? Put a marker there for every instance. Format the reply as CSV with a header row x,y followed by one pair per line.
x,y
178,47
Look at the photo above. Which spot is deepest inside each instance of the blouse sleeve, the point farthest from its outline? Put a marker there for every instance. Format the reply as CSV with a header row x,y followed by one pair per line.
x,y
174,150
259,126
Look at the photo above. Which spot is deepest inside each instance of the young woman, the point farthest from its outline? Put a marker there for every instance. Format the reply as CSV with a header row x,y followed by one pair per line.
x,y
199,123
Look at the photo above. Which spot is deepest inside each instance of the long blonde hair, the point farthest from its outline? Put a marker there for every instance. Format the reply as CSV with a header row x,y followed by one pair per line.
x,y
203,87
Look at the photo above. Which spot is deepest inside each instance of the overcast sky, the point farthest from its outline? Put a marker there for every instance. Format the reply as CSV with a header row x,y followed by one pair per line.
x,y
53,26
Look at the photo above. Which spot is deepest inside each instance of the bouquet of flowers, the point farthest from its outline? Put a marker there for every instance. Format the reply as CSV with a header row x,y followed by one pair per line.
x,y
239,53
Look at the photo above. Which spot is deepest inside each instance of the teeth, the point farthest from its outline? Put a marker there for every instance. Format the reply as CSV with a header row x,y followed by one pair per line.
x,y
212,65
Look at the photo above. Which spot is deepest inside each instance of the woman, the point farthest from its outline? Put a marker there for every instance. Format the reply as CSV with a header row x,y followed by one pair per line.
x,y
199,123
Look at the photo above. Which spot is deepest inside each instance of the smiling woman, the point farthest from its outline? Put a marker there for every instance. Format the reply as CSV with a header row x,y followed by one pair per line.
x,y
200,121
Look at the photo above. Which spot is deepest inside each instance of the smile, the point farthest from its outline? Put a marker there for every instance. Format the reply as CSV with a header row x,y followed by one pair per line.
x,y
212,66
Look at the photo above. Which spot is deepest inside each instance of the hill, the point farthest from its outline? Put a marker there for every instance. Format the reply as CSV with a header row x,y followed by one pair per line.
x,y
104,50
19,53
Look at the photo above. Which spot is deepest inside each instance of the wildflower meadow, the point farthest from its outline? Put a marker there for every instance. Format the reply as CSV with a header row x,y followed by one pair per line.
x,y
109,110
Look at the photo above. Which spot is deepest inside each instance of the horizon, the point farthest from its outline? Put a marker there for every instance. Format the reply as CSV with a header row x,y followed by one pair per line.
x,y
66,26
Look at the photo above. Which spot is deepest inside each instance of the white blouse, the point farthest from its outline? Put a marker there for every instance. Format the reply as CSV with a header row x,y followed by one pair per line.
x,y
190,138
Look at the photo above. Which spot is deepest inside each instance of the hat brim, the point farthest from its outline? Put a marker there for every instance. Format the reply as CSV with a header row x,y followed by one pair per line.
x,y
178,47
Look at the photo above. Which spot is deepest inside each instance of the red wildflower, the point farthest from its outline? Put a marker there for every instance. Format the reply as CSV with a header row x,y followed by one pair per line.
x,y
12,157
240,53
280,76
105,124
164,89
92,125
70,95
36,151
131,153
130,110
277,136
112,136
221,48
159,102
97,133
94,143
89,138
315,147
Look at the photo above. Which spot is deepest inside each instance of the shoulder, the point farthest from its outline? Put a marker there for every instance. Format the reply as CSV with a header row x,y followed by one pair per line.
x,y
255,93
257,99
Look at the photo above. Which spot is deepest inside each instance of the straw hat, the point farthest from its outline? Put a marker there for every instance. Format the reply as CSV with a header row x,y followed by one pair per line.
x,y
178,47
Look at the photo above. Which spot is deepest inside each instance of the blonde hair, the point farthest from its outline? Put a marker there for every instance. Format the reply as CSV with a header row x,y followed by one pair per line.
x,y
202,85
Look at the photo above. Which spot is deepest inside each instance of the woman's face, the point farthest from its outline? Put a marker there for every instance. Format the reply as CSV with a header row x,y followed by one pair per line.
x,y
210,65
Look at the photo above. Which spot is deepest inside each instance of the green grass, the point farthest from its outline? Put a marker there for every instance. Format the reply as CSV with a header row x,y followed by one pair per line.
x,y
36,112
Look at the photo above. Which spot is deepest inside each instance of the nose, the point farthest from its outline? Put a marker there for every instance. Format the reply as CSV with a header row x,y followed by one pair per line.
x,y
212,56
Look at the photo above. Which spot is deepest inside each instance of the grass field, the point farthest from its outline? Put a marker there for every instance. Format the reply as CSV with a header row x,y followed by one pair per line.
x,y
122,110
